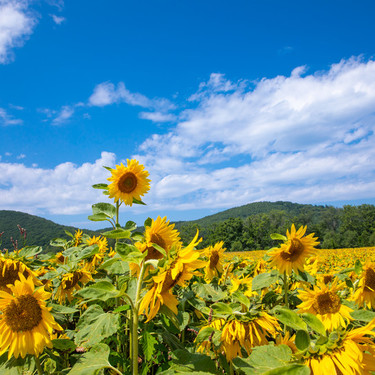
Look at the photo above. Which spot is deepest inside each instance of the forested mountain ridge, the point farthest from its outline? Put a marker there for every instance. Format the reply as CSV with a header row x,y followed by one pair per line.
x,y
244,228
39,231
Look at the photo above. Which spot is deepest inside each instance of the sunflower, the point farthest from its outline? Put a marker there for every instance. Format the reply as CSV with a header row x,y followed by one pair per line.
x,y
178,271
244,284
9,272
365,294
77,237
293,252
353,354
206,346
25,323
161,233
98,257
59,258
242,334
128,182
324,302
215,259
70,283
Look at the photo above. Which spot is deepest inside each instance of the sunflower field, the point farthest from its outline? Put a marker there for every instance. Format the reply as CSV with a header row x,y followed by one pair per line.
x,y
154,305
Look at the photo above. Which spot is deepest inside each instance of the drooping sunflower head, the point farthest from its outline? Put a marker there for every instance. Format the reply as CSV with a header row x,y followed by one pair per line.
x,y
25,323
351,353
128,182
9,272
71,282
161,233
215,259
365,294
324,302
293,252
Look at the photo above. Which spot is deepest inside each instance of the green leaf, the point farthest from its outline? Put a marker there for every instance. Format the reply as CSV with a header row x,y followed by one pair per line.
x,y
121,308
19,366
30,251
137,201
277,236
102,290
92,362
302,340
292,369
117,233
363,315
209,292
77,253
204,334
115,266
263,280
58,242
107,209
270,360
148,345
95,325
240,297
98,217
60,309
358,267
221,309
65,345
100,186
289,318
129,253
148,222
130,225
314,323
185,362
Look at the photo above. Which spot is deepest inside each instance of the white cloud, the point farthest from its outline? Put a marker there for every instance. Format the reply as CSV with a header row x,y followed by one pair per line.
x,y
21,156
63,115
58,20
107,93
6,119
305,138
66,189
16,25
157,116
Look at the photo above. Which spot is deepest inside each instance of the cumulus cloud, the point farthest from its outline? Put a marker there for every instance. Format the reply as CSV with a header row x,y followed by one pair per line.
x,y
58,20
66,189
6,119
305,138
16,25
63,115
107,93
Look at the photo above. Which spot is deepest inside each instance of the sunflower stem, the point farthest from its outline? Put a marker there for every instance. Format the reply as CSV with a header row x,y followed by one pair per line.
x,y
117,214
134,337
231,368
286,290
38,366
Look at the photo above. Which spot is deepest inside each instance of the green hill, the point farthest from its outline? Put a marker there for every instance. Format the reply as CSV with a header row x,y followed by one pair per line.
x,y
246,227
39,231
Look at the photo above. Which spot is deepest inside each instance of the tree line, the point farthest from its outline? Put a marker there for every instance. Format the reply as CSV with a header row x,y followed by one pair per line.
x,y
350,226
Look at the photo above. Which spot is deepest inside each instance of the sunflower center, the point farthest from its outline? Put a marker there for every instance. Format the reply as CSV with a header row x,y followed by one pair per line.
x,y
327,303
214,259
327,279
73,281
294,251
127,183
9,274
23,313
169,283
152,252
369,280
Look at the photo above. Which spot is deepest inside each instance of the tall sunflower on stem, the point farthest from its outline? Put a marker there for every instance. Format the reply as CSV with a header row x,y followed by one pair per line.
x,y
128,182
26,325
292,254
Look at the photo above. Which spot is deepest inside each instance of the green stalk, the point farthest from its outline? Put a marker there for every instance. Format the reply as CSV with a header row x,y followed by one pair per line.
x,y
134,338
286,290
231,368
117,213
38,366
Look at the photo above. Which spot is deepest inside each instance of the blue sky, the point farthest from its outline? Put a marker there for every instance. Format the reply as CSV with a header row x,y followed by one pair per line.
x,y
225,103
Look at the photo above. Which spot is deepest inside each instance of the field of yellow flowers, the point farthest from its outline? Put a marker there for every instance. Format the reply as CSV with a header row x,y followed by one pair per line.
x,y
154,305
